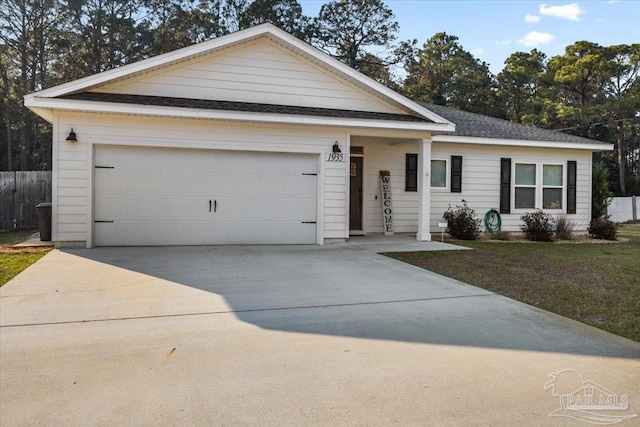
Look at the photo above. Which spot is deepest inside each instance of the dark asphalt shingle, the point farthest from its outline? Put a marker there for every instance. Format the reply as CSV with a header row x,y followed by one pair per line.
x,y
205,104
477,125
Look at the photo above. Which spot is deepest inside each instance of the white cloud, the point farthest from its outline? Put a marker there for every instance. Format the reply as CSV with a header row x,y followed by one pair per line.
x,y
571,11
503,42
535,38
532,19
477,52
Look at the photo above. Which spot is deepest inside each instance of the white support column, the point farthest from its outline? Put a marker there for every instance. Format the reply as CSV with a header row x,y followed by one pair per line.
x,y
424,190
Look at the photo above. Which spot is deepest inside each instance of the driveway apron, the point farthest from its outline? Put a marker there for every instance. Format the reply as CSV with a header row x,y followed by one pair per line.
x,y
293,335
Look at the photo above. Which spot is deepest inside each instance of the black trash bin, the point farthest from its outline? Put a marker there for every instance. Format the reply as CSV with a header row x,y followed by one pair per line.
x,y
44,221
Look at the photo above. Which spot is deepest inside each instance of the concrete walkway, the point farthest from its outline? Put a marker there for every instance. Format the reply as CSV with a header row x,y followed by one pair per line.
x,y
279,335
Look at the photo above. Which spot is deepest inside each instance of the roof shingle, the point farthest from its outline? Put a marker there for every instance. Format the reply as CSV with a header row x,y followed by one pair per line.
x,y
206,104
478,125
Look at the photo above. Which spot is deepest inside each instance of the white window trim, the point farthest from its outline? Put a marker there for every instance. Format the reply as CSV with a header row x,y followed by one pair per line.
x,y
539,186
447,177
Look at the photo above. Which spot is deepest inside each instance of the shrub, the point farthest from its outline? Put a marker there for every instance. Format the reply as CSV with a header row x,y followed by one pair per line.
x,y
462,223
603,229
538,226
564,228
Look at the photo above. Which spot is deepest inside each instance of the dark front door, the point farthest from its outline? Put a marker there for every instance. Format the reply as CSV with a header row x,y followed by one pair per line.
x,y
355,202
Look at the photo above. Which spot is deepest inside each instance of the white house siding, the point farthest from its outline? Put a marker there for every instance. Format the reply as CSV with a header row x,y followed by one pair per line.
x,y
73,161
258,72
384,156
481,180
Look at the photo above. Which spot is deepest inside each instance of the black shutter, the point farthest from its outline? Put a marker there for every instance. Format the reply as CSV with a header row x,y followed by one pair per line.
x,y
456,174
505,186
571,186
411,173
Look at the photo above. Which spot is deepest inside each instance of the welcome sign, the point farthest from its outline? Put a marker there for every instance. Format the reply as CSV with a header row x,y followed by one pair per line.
x,y
387,205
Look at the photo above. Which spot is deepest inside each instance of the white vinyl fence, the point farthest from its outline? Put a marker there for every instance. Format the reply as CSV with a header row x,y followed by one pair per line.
x,y
624,209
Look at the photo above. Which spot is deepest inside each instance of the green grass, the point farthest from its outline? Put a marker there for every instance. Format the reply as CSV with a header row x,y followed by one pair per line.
x,y
13,262
598,284
11,237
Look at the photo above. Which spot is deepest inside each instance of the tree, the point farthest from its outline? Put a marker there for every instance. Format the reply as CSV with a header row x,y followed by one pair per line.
x,y
622,91
519,82
104,35
285,14
445,74
577,80
27,30
600,194
348,28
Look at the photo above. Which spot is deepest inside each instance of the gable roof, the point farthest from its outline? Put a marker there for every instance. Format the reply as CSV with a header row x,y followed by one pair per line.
x,y
471,125
43,100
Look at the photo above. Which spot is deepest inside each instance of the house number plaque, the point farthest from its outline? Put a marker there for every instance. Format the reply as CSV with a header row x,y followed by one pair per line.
x,y
335,157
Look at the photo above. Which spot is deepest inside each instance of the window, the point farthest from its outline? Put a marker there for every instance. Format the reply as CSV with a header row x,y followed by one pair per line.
x,y
411,173
538,186
439,173
525,186
551,186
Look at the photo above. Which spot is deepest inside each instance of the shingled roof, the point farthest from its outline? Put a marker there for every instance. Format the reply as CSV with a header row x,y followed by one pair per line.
x,y
480,126
205,104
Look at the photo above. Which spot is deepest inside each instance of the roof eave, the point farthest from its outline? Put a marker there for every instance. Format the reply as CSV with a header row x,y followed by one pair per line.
x,y
595,146
56,104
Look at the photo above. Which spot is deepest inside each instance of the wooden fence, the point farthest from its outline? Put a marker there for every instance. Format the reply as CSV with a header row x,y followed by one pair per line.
x,y
20,192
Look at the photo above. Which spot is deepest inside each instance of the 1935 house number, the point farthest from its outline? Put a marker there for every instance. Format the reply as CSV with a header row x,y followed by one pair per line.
x,y
336,157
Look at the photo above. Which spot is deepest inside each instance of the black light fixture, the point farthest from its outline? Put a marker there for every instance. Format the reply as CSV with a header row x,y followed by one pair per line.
x,y
336,148
72,136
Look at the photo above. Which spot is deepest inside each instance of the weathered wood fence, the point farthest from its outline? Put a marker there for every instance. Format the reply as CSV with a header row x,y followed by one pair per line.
x,y
20,192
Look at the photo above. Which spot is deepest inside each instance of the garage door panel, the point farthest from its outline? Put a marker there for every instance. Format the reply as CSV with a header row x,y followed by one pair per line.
x,y
161,197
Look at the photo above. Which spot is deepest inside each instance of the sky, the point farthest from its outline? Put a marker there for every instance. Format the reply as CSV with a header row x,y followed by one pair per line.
x,y
493,30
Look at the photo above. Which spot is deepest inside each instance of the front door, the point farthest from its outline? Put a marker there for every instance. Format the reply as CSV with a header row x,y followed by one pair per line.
x,y
355,202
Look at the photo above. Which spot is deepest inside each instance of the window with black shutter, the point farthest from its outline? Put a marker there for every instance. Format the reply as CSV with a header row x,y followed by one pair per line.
x,y
411,173
456,174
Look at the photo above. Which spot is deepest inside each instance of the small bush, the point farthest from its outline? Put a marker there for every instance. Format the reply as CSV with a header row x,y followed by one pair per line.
x,y
538,226
462,223
603,229
564,228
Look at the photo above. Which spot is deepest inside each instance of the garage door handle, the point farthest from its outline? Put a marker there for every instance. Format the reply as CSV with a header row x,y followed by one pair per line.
x,y
215,206
209,205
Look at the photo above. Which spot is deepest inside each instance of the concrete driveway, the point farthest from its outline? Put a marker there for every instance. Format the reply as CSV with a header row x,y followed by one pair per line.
x,y
334,335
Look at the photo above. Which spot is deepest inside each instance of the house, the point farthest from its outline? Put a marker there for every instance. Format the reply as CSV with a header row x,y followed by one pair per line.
x,y
259,138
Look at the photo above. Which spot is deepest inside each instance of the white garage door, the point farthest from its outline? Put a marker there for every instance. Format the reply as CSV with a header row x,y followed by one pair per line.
x,y
158,196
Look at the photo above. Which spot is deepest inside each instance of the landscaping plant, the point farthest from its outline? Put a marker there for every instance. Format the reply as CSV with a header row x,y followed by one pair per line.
x,y
538,226
603,229
462,222
564,228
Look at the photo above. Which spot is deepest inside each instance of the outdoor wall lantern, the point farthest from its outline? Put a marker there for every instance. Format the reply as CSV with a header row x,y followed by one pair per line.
x,y
72,136
336,148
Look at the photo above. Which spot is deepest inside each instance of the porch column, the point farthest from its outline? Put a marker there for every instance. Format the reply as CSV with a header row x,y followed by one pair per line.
x,y
424,189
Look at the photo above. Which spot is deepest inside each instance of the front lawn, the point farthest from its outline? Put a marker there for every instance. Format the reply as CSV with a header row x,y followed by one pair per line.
x,y
598,284
13,262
